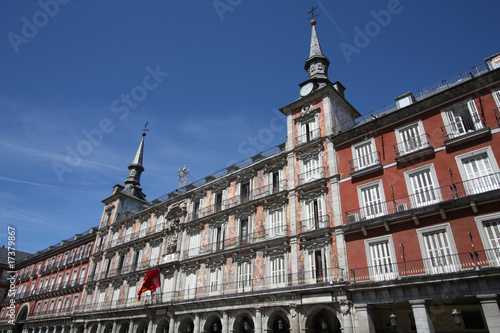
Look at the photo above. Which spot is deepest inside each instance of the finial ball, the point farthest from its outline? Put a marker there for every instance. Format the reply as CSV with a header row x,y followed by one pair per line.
x,y
144,134
313,22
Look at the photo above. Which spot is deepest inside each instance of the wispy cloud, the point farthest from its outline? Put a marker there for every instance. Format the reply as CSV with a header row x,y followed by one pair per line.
x,y
25,182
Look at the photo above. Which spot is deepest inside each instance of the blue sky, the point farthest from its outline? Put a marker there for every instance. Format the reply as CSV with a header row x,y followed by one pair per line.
x,y
208,76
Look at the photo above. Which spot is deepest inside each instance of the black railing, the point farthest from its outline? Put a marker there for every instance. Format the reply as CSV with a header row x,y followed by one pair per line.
x,y
315,223
412,145
478,185
462,126
312,175
400,205
308,137
452,263
364,162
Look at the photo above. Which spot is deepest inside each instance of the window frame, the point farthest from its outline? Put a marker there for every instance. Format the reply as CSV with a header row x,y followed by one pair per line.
x,y
384,276
453,265
362,205
355,158
399,139
485,150
412,192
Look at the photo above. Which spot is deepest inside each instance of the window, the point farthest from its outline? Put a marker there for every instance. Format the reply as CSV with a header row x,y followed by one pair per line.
x,y
245,230
318,265
119,267
276,181
381,259
38,268
66,303
220,198
314,214
411,138
461,118
215,279
82,275
75,301
115,296
155,253
79,253
44,307
489,230
245,272
277,271
66,279
245,193
51,306
438,249
479,171
32,288
364,154
59,304
190,286
160,221
276,223
52,281
128,234
72,255
312,169
59,257
496,97
194,244
372,200
423,186
114,239
309,130
218,238
65,260
196,208
142,230
88,249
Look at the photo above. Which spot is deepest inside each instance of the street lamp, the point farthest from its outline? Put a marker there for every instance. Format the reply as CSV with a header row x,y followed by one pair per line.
x,y
280,324
216,327
324,324
246,326
393,319
457,316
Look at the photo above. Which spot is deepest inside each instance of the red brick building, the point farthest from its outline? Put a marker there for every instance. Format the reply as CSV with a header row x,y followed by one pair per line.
x,y
420,194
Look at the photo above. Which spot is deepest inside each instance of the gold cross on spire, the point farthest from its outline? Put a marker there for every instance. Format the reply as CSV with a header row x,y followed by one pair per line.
x,y
145,129
312,13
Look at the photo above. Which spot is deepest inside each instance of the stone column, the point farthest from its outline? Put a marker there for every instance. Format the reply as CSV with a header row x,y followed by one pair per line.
x,y
365,322
347,323
197,328
225,322
423,320
491,312
258,321
131,326
171,325
150,325
294,323
99,327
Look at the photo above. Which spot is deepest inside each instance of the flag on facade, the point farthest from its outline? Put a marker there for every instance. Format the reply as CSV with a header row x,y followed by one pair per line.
x,y
151,282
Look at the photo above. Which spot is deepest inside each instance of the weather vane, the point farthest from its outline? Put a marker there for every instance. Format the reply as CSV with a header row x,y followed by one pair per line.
x,y
183,176
145,129
312,13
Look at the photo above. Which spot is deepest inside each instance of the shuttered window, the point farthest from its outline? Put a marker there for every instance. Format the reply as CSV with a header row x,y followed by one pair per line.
x,y
277,270
314,214
245,275
364,155
423,190
439,257
480,174
382,262
276,223
371,201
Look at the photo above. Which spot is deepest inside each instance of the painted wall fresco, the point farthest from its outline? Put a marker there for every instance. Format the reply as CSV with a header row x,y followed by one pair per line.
x,y
109,293
259,272
259,224
300,266
229,275
201,280
124,291
205,239
129,257
230,232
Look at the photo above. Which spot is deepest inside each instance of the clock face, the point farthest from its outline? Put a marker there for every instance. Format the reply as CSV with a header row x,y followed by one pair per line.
x,y
306,89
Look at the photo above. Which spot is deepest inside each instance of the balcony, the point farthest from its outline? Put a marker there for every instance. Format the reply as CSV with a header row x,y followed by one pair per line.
x,y
413,148
234,242
283,281
307,137
478,185
309,176
449,264
463,130
365,164
400,205
315,223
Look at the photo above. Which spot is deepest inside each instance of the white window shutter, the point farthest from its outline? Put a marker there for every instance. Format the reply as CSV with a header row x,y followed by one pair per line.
x,y
476,119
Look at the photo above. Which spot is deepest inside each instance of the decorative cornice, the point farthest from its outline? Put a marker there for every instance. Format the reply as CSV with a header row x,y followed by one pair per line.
x,y
311,153
115,227
248,211
307,115
315,193
190,269
277,250
244,257
315,243
109,254
110,208
246,176
275,204
275,166
193,229
215,262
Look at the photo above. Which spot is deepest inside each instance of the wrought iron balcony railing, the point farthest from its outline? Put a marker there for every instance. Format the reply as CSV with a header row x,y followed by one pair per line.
x,y
478,185
308,137
365,162
462,126
311,175
315,223
399,205
429,266
412,145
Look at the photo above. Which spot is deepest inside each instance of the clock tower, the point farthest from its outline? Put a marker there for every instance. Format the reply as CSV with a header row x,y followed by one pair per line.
x,y
316,66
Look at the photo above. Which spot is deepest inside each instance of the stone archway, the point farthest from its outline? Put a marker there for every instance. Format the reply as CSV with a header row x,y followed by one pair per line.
x,y
93,328
323,320
108,328
213,325
278,323
123,326
186,325
162,326
142,326
21,317
244,324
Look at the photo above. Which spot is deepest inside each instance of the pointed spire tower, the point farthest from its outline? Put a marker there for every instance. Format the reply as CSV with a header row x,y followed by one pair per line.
x,y
316,66
135,169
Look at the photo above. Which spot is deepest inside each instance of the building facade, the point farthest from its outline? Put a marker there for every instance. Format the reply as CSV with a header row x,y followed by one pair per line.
x,y
49,286
310,236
